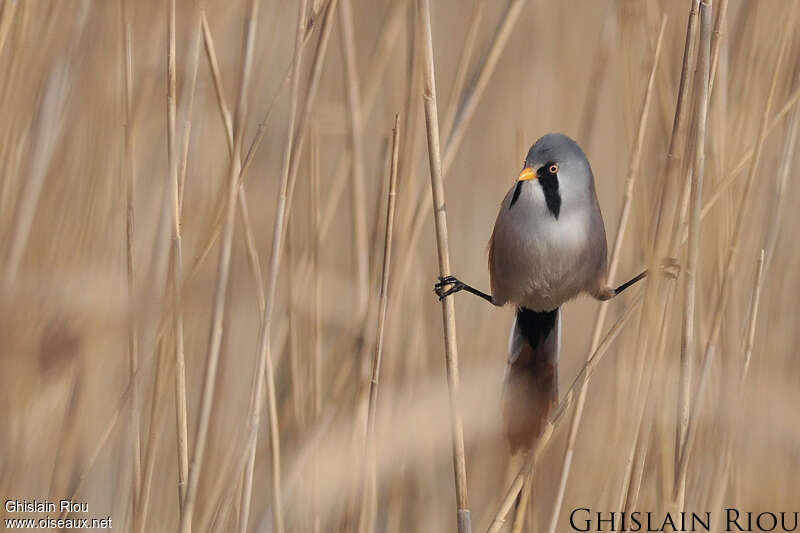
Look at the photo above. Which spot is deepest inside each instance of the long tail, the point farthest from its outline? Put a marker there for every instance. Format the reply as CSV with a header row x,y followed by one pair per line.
x,y
530,389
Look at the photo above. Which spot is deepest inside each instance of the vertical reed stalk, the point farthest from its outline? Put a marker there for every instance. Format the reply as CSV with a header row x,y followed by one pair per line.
x,y
448,307
690,270
674,157
223,269
468,104
354,116
316,319
371,479
130,229
176,266
730,263
265,355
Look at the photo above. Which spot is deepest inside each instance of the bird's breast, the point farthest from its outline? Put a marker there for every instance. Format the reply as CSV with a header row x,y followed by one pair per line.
x,y
541,261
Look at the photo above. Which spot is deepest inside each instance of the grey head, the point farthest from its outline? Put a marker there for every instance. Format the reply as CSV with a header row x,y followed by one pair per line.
x,y
563,172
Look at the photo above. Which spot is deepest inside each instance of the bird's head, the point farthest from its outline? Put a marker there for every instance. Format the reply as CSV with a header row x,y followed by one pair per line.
x,y
558,165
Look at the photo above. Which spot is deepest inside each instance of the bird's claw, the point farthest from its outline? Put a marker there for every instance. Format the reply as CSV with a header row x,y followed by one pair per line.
x,y
670,267
439,287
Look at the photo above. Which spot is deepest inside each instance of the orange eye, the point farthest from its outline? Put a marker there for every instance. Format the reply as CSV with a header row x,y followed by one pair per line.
x,y
553,169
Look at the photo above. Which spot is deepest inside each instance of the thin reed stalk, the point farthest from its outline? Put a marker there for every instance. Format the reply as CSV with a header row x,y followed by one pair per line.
x,y
187,100
471,98
523,504
6,18
739,394
316,316
176,266
223,269
372,82
558,413
674,157
463,65
264,351
690,270
354,116
661,233
129,172
163,369
448,307
596,77
370,501
468,104
730,262
256,393
634,166
218,219
787,158
299,140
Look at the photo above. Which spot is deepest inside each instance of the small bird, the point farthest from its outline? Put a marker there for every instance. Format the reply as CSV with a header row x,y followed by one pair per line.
x,y
548,246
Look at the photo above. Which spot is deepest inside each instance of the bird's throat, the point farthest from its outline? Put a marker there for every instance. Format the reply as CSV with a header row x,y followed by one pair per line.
x,y
549,186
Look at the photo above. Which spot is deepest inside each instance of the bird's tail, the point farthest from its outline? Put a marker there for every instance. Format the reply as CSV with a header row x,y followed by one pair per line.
x,y
530,388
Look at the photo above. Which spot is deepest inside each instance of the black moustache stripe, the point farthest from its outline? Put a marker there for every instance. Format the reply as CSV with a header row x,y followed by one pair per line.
x,y
516,194
549,183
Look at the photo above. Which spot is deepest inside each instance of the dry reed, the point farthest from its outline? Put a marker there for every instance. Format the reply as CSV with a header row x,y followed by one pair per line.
x,y
122,344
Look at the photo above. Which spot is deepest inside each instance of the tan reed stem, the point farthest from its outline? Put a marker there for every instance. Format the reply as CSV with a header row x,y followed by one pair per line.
x,y
218,218
354,116
175,275
371,478
674,157
593,88
448,307
558,413
730,262
162,370
130,229
223,269
690,270
463,65
787,157
634,166
187,100
264,350
468,104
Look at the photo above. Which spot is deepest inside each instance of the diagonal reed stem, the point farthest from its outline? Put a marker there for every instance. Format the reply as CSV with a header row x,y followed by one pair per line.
x,y
223,270
730,262
558,413
633,173
264,348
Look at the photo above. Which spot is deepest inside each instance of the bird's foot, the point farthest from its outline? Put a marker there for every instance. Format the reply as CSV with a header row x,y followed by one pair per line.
x,y
441,290
670,267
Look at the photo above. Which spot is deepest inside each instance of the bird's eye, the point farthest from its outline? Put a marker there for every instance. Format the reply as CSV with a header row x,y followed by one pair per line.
x,y
553,168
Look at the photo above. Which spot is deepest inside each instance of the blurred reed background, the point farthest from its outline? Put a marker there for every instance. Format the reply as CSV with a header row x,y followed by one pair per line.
x,y
141,304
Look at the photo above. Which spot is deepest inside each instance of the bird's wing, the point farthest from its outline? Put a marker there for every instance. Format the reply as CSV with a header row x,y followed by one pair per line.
x,y
491,261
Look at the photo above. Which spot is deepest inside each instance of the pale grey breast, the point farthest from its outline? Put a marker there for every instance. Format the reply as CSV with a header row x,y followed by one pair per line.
x,y
539,261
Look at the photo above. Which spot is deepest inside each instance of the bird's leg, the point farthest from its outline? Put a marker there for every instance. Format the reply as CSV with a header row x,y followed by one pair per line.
x,y
630,282
669,266
457,285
